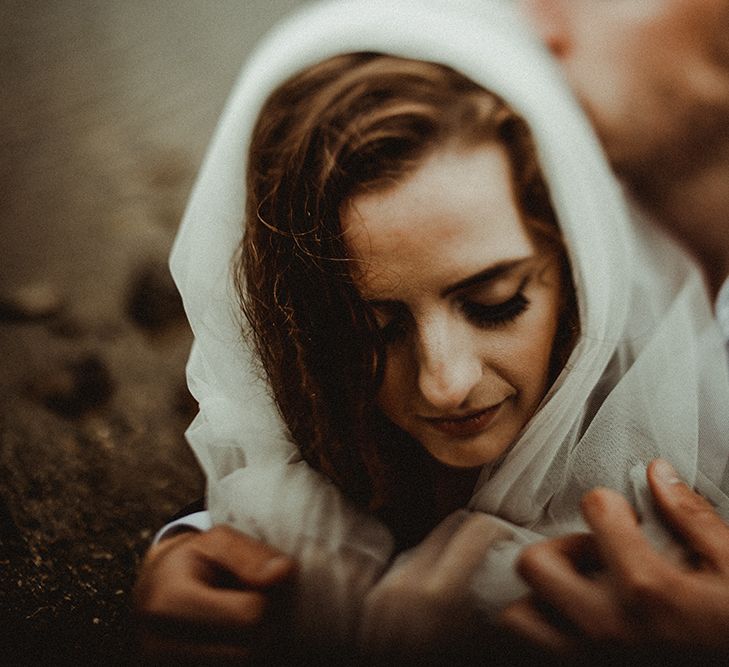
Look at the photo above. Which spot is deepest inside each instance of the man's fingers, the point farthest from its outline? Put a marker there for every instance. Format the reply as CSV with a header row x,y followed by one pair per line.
x,y
620,542
579,548
554,567
689,514
524,618
549,568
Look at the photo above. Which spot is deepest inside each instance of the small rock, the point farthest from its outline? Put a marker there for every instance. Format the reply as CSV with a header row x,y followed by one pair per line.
x,y
77,387
31,302
108,331
154,302
67,327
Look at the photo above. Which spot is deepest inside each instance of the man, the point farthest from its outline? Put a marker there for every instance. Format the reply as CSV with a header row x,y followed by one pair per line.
x,y
654,77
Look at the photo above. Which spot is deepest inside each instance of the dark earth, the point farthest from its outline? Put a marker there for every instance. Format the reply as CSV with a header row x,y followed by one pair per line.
x,y
106,109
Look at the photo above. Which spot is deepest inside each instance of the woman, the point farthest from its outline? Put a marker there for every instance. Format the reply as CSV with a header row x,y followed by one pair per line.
x,y
585,409
347,242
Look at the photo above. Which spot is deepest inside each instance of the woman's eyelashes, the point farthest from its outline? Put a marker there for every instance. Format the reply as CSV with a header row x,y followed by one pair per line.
x,y
396,325
494,315
489,316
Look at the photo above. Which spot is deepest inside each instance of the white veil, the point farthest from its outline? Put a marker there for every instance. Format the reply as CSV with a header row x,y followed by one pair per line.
x,y
643,380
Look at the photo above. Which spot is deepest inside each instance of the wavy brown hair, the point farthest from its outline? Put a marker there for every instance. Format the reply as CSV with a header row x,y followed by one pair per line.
x,y
353,123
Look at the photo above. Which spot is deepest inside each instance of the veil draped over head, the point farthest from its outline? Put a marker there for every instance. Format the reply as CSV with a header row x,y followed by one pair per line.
x,y
644,379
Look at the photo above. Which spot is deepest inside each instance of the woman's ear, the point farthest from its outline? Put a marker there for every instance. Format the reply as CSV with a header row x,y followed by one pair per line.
x,y
550,18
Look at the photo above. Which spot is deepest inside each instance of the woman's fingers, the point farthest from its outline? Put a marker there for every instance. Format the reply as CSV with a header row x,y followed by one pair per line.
x,y
466,551
453,551
216,611
423,558
426,599
213,593
690,515
253,563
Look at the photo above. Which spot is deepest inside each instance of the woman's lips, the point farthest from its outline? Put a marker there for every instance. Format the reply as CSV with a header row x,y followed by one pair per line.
x,y
467,425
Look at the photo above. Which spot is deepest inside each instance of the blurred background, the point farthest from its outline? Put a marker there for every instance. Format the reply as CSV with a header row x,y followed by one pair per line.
x,y
106,110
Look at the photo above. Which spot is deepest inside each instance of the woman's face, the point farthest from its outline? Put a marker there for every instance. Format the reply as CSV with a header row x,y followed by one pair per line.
x,y
467,303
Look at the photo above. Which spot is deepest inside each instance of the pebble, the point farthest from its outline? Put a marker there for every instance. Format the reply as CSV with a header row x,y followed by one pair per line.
x,y
67,327
30,302
154,302
77,387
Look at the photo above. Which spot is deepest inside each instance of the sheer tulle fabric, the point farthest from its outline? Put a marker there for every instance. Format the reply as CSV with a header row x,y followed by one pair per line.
x,y
645,379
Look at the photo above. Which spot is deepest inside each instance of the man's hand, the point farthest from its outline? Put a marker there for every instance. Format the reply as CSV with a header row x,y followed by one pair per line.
x,y
642,599
210,596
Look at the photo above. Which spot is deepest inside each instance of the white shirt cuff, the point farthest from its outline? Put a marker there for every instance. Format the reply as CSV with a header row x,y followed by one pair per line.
x,y
197,521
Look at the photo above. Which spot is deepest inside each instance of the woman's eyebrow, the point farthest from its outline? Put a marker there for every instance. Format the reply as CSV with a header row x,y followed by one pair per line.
x,y
491,273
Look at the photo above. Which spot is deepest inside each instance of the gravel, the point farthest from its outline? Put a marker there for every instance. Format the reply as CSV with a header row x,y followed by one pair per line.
x,y
106,113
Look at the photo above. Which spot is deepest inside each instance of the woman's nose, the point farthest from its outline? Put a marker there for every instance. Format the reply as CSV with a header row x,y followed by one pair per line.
x,y
448,368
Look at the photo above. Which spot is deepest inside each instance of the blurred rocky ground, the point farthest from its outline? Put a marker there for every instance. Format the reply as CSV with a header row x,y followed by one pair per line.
x,y
106,109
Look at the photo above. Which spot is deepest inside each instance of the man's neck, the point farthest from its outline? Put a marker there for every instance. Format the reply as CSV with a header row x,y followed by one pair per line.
x,y
694,207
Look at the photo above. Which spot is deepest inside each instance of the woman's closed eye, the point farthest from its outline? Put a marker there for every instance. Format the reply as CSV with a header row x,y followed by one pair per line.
x,y
395,327
495,315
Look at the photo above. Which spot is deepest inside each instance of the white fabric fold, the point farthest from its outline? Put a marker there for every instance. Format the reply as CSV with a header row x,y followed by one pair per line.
x,y
722,309
642,381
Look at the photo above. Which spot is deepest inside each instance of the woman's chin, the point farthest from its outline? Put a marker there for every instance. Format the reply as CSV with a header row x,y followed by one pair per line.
x,y
469,452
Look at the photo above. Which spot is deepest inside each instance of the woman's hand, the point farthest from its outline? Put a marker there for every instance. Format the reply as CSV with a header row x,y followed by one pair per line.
x,y
644,600
216,595
424,603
